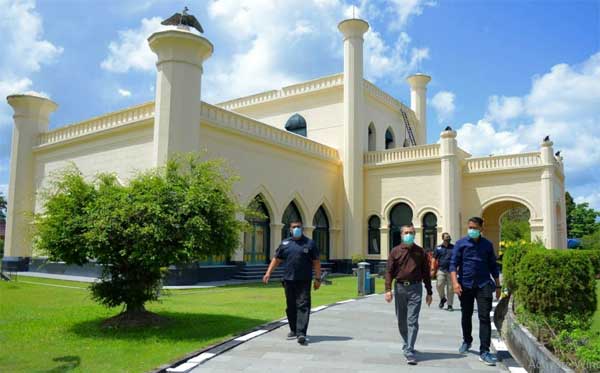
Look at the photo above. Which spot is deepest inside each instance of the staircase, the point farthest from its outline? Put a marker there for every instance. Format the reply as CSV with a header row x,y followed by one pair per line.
x,y
255,272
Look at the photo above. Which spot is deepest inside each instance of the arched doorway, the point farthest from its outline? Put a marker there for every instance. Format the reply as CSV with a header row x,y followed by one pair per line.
x,y
401,214
506,221
374,236
291,214
256,239
321,233
429,224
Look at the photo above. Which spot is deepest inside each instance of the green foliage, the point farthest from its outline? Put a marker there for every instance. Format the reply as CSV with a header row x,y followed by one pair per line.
x,y
1,248
182,213
513,252
581,220
578,347
591,241
515,225
2,207
557,284
594,257
357,258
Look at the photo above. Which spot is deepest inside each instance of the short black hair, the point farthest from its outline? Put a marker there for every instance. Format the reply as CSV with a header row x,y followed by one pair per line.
x,y
445,233
295,221
409,225
477,220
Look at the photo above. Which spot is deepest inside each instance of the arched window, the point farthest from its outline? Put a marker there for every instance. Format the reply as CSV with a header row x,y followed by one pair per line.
x,y
290,215
390,141
401,214
296,124
257,238
372,138
321,233
429,231
374,243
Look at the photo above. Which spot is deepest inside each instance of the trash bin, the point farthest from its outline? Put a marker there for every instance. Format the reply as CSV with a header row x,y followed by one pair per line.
x,y
363,269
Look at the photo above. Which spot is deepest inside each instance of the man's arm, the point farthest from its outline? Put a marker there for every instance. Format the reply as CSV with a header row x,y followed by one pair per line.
x,y
425,269
493,265
455,262
389,277
317,268
274,263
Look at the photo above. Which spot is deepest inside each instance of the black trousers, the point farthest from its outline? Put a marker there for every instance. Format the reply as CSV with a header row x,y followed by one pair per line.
x,y
297,298
483,296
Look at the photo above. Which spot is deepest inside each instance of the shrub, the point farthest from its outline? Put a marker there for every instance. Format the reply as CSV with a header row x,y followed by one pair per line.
x,y
557,284
513,252
594,256
357,258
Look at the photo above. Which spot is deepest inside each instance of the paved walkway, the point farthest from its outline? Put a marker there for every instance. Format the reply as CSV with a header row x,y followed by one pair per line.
x,y
358,336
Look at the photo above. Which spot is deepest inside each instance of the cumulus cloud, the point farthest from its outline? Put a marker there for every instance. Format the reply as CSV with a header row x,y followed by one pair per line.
x,y
131,51
443,103
4,190
562,103
404,9
124,92
263,50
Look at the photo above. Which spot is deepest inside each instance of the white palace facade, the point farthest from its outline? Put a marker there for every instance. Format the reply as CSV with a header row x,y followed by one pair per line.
x,y
346,157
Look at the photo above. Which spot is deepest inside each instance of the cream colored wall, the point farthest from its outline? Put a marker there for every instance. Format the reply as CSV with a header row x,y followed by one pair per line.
x,y
383,118
281,176
322,111
416,184
123,152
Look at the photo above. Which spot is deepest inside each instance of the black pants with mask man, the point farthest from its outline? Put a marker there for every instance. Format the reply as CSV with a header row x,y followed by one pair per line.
x,y
483,296
297,298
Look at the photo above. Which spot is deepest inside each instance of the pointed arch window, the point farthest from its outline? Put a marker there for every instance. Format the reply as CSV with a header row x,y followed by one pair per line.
x,y
291,214
321,233
390,141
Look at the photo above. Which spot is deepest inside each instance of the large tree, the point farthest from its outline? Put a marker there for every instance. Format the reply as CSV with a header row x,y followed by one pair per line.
x,y
2,207
581,218
514,225
182,213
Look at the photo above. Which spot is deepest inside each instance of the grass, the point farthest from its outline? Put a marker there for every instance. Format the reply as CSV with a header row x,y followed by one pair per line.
x,y
54,326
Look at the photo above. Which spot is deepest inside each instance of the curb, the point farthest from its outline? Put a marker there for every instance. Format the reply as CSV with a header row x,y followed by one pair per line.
x,y
195,358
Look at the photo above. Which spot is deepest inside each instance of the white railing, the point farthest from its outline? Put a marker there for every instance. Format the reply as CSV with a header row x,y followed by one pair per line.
x,y
292,90
111,120
222,118
413,153
503,162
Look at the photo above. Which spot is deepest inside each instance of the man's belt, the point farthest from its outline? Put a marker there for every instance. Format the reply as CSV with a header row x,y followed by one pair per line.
x,y
407,283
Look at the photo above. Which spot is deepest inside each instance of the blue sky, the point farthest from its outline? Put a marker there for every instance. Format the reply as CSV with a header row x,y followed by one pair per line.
x,y
505,73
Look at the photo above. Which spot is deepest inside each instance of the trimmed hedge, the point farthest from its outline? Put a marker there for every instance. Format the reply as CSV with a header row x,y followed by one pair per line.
x,y
556,284
594,256
514,251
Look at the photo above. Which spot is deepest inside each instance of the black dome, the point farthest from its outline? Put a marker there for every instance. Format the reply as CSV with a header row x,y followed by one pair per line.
x,y
295,123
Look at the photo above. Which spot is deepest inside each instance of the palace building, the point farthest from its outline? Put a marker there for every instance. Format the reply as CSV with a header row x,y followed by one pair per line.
x,y
350,160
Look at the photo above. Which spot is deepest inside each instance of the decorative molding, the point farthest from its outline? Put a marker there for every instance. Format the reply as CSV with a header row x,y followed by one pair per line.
x,y
402,155
503,162
378,94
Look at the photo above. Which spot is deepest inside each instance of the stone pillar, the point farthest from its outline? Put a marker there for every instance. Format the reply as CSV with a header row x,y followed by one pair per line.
x,y
418,103
178,85
31,115
450,184
385,243
308,231
275,237
548,201
354,134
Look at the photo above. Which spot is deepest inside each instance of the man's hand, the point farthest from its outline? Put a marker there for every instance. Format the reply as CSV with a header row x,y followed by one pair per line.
x,y
498,293
389,296
457,289
433,275
317,285
428,300
266,278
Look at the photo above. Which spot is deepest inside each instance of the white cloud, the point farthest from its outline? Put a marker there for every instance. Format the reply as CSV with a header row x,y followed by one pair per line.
x,y
124,92
404,9
562,103
4,190
131,51
443,104
593,199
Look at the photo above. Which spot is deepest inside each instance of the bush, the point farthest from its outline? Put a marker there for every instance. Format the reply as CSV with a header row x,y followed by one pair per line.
x,y
591,241
594,256
357,258
513,252
557,284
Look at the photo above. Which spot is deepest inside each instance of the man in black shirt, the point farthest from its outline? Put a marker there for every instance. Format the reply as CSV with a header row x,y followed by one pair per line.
x,y
301,256
441,271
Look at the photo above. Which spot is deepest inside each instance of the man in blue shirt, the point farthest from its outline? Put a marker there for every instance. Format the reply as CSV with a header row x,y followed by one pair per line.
x,y
301,256
475,277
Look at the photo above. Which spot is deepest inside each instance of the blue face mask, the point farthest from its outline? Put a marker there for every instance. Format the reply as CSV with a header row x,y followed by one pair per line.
x,y
297,232
474,233
408,238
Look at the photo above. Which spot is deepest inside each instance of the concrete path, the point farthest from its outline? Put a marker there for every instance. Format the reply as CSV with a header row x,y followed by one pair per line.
x,y
358,336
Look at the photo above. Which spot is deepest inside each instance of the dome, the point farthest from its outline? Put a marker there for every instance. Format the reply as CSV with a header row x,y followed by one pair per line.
x,y
296,124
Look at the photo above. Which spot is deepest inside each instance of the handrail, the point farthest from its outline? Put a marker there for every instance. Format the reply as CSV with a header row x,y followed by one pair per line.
x,y
413,153
503,162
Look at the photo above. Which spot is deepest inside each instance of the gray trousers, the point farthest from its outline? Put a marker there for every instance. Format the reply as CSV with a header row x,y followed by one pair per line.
x,y
408,305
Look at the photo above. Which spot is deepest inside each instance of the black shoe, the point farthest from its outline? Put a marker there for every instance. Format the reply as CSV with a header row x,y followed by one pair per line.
x,y
442,302
411,359
450,308
291,335
302,339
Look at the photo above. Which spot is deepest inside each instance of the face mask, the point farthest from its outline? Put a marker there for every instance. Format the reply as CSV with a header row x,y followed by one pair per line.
x,y
408,239
297,232
474,233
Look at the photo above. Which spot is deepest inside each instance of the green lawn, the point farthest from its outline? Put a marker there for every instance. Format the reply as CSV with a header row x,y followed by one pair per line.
x,y
54,326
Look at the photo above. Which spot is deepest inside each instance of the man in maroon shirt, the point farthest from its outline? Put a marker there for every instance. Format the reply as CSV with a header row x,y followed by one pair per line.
x,y
409,265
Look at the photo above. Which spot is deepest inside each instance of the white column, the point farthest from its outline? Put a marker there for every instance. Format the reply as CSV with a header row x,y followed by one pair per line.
x,y
450,183
31,115
355,131
178,85
548,200
418,103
